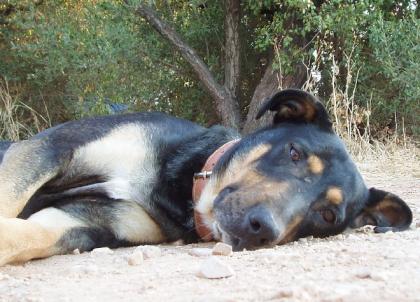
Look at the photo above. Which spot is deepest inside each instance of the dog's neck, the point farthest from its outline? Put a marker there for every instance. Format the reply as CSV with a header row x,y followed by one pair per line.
x,y
200,181
180,160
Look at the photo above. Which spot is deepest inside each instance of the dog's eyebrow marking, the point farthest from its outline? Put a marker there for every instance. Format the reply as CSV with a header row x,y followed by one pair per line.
x,y
334,195
315,164
257,152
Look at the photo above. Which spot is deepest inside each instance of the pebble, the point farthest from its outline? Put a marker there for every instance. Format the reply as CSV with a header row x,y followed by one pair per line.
x,y
136,258
200,252
363,274
85,269
149,251
303,240
102,251
283,293
222,249
214,268
367,274
366,229
4,276
353,237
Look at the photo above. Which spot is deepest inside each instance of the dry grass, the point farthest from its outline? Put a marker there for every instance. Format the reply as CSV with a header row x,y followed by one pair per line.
x,y
352,123
17,119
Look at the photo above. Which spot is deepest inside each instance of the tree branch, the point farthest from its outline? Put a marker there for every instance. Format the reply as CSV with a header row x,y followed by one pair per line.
x,y
232,47
226,106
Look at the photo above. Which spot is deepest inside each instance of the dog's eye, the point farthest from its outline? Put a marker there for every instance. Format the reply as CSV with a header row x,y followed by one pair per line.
x,y
328,216
294,154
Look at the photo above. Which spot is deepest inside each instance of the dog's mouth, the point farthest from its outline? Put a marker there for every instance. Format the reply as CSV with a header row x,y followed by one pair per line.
x,y
220,235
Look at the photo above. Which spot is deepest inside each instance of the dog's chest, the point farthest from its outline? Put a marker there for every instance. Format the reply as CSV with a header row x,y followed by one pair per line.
x,y
125,158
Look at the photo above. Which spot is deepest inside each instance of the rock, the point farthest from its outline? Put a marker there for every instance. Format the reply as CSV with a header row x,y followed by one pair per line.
x,y
418,224
366,229
102,251
149,251
179,242
135,258
4,277
303,240
214,268
222,249
363,274
76,252
283,293
353,237
200,252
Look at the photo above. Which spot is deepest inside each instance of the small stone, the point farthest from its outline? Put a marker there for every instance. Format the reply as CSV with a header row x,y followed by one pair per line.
x,y
76,252
377,277
214,268
4,277
418,224
200,252
303,240
363,274
353,237
179,242
149,251
339,237
135,258
102,251
283,293
222,249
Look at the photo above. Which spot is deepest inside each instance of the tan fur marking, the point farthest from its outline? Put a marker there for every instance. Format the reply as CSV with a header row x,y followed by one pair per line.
x,y
309,110
334,195
238,171
240,167
135,225
315,164
11,203
291,230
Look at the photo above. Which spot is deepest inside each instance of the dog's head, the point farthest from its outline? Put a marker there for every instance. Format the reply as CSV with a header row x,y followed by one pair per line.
x,y
291,180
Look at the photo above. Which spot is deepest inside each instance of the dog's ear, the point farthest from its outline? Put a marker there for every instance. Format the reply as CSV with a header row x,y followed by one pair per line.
x,y
296,106
386,211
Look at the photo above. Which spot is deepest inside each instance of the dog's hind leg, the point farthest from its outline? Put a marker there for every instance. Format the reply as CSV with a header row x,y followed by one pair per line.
x,y
26,166
37,237
83,224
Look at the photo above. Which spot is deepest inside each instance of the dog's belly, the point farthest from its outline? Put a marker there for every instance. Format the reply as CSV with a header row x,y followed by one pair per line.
x,y
124,160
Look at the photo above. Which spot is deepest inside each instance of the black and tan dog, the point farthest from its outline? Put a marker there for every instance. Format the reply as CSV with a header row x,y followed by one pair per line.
x,y
126,179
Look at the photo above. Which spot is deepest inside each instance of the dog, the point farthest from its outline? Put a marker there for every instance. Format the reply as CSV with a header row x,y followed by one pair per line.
x,y
124,180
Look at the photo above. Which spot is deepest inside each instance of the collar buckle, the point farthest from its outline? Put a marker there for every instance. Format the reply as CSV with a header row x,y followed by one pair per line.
x,y
203,175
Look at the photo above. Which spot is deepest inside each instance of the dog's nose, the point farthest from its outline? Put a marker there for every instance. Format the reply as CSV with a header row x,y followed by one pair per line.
x,y
258,229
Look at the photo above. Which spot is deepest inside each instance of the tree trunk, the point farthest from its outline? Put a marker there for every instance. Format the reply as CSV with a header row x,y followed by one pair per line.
x,y
226,105
232,48
271,83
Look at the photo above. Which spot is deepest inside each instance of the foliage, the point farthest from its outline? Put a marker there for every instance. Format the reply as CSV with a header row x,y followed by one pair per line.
x,y
80,56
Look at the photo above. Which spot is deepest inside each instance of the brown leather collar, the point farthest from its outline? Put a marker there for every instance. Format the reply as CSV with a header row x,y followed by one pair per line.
x,y
200,181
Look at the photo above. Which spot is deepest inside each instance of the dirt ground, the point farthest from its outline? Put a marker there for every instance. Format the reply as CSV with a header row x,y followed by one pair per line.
x,y
356,266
